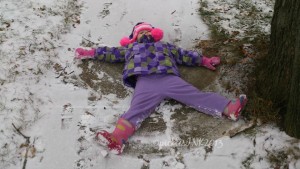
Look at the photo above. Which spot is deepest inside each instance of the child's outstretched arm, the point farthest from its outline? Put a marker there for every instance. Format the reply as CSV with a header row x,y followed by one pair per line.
x,y
106,54
193,58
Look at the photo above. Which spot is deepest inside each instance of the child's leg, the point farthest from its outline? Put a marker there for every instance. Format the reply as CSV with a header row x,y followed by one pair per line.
x,y
147,96
206,102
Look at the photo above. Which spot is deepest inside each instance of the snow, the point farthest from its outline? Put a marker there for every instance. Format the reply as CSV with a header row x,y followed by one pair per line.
x,y
58,117
234,151
239,16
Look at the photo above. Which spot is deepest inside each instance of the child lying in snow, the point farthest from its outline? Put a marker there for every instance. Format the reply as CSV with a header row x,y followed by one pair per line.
x,y
150,68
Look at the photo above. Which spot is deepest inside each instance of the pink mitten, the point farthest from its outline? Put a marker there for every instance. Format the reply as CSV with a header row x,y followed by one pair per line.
x,y
210,63
81,53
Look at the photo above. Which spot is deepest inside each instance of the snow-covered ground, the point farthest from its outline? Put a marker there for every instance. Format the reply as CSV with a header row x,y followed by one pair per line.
x,y
48,123
244,19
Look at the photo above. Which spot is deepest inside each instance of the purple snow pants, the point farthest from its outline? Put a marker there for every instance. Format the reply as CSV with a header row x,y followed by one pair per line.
x,y
150,90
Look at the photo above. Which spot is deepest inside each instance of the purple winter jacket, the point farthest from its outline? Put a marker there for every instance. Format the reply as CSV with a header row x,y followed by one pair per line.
x,y
148,58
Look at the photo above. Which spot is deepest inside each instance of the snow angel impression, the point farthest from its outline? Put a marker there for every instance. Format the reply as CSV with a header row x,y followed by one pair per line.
x,y
150,67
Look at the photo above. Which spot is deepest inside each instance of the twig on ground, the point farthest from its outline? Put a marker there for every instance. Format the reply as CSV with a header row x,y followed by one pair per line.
x,y
18,130
88,40
27,142
236,131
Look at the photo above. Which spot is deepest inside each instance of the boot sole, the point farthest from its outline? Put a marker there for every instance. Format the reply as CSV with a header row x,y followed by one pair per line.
x,y
101,140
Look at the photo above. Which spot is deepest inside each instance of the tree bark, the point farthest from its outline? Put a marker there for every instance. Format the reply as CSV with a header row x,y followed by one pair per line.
x,y
292,120
281,77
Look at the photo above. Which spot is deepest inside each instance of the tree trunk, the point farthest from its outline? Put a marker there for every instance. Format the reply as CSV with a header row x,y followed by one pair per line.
x,y
292,120
281,77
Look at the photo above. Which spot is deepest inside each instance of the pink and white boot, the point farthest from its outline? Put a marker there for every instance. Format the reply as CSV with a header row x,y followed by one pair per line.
x,y
115,141
234,108
81,53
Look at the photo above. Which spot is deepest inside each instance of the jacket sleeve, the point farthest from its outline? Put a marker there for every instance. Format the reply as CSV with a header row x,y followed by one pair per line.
x,y
110,54
185,57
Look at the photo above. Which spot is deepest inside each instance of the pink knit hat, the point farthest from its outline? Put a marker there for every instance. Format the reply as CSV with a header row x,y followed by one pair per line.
x,y
156,33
